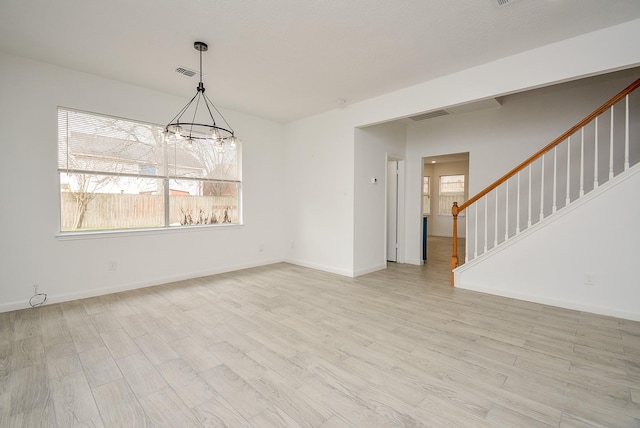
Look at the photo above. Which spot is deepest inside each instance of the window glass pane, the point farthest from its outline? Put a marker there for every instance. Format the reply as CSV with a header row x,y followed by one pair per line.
x,y
451,190
101,202
452,184
204,159
426,197
197,202
88,142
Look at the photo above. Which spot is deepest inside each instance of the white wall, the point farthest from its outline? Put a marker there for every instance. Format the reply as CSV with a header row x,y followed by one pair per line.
x,y
66,269
373,146
319,193
547,264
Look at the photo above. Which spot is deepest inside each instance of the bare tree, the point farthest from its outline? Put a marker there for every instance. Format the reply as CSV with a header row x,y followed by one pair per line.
x,y
218,161
111,146
86,191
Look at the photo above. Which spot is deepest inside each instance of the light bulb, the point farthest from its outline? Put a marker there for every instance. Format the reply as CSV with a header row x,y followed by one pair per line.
x,y
215,134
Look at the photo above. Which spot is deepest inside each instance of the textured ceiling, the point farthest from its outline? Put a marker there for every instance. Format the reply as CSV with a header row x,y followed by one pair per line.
x,y
286,59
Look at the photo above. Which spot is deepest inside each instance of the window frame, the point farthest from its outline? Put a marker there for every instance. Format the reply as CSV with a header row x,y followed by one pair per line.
x,y
446,210
426,196
147,169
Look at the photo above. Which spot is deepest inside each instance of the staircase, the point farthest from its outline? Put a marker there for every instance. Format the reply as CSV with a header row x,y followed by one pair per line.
x,y
602,148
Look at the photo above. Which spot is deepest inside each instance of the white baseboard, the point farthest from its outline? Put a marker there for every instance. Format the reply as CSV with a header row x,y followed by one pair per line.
x,y
316,266
369,270
59,298
552,302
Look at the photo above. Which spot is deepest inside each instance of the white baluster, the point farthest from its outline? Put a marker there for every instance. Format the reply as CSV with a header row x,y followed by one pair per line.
x,y
518,205
595,159
626,133
542,190
529,206
475,232
568,198
495,233
582,163
467,244
486,202
611,147
555,178
506,214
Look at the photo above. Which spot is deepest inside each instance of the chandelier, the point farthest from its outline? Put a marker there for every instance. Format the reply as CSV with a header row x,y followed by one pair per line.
x,y
198,128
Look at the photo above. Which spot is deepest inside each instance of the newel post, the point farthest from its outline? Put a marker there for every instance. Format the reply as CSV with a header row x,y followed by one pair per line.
x,y
454,256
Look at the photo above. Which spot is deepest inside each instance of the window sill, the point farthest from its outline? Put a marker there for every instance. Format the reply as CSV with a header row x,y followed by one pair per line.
x,y
102,234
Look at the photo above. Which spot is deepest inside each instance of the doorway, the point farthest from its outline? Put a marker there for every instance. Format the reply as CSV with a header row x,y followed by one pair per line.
x,y
444,179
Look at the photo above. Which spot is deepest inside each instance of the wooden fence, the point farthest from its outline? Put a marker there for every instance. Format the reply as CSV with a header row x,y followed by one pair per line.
x,y
123,211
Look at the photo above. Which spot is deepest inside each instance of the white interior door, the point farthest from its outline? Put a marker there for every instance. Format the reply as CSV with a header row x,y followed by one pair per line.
x,y
392,210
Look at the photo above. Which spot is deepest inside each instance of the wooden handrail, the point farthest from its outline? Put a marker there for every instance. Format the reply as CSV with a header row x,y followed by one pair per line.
x,y
552,144
455,210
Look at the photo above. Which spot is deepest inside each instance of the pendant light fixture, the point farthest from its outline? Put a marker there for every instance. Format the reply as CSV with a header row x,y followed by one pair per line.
x,y
195,127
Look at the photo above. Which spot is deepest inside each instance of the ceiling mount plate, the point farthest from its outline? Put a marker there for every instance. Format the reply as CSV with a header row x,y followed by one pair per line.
x,y
200,46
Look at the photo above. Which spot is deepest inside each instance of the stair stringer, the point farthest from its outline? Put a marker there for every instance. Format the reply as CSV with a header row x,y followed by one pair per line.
x,y
598,234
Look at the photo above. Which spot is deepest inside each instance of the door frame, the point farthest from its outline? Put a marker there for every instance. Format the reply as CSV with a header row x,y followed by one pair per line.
x,y
400,208
437,161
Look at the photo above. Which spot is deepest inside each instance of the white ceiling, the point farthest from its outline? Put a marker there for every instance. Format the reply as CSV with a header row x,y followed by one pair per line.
x,y
286,59
456,157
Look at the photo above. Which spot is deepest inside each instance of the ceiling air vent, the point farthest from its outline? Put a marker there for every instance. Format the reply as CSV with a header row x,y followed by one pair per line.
x,y
429,115
505,2
185,71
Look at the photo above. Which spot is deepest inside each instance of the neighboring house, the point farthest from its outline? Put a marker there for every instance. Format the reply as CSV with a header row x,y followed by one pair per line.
x,y
308,196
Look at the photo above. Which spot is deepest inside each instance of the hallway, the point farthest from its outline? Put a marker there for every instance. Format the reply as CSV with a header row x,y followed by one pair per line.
x,y
438,263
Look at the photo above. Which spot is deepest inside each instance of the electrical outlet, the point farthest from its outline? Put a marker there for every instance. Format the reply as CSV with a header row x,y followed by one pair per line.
x,y
589,278
260,247
113,265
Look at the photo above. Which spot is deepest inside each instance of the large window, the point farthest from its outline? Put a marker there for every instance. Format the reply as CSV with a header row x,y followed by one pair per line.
x,y
120,174
451,190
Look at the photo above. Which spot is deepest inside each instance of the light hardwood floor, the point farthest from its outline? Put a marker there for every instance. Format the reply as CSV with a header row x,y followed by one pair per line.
x,y
282,345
